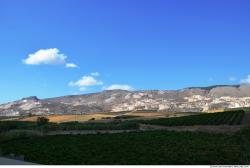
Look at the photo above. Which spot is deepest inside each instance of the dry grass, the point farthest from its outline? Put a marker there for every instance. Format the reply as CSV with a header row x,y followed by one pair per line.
x,y
69,118
154,115
217,110
100,116
147,114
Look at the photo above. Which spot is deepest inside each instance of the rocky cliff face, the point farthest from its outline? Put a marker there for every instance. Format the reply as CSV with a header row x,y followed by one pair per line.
x,y
185,100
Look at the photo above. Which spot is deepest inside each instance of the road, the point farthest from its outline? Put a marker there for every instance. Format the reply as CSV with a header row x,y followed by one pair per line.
x,y
6,161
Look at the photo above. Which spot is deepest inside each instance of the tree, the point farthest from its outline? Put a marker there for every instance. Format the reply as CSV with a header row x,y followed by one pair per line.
x,y
42,121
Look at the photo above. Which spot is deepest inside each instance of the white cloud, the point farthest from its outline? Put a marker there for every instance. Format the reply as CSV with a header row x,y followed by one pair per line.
x,y
49,56
232,78
46,56
95,74
246,80
121,87
71,65
86,81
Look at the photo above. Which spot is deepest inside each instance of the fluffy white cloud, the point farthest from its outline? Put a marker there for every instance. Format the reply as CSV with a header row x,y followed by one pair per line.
x,y
246,81
95,74
86,81
121,87
71,65
46,56
49,56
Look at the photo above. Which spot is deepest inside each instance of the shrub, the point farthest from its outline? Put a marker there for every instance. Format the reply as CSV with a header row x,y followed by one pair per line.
x,y
17,134
41,121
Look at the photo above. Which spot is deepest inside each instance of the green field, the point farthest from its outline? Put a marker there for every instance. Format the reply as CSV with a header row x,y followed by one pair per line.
x,y
124,117
20,125
114,125
138,148
146,148
13,125
246,109
222,118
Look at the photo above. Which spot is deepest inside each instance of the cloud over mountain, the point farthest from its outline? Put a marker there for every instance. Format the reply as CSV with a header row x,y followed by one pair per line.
x,y
246,80
120,87
86,81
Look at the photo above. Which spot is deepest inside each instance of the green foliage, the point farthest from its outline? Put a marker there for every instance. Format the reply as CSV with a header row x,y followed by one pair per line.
x,y
41,121
150,148
17,134
6,126
12,125
222,118
92,126
227,118
126,117
246,109
146,148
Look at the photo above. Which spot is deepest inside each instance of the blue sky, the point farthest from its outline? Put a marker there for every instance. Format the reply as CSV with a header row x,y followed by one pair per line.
x,y
132,44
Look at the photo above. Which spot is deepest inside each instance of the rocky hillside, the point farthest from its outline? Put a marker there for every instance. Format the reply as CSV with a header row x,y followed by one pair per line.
x,y
194,99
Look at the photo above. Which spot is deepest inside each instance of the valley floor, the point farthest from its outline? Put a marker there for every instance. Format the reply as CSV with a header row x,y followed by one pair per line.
x,y
144,148
100,116
205,139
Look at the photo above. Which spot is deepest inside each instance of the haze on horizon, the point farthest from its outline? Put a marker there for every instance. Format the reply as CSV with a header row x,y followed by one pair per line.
x,y
60,47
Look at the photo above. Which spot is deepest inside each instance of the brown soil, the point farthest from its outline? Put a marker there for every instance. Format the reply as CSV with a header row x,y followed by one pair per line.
x,y
68,118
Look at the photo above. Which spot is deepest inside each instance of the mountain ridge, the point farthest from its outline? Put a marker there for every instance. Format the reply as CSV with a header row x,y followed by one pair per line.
x,y
195,99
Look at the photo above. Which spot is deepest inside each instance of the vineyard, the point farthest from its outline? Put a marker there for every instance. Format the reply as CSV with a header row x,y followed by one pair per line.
x,y
6,126
14,125
145,148
91,126
222,118
138,148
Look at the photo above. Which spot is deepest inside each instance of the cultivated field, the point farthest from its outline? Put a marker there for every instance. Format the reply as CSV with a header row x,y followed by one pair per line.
x,y
210,138
145,148
70,118
105,117
221,118
125,121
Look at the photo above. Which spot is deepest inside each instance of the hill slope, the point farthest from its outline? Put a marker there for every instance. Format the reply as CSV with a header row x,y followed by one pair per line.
x,y
195,99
